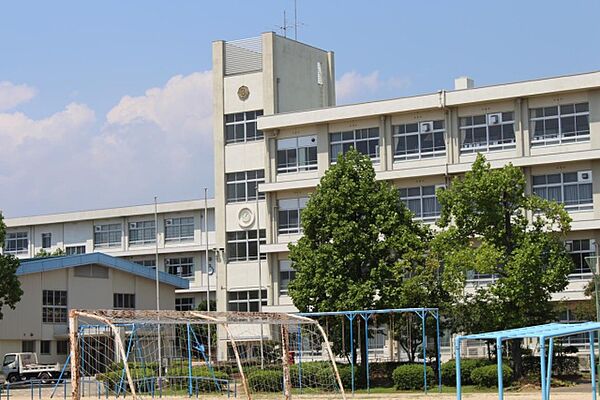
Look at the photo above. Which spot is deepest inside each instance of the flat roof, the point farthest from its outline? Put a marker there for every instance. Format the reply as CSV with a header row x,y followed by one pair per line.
x,y
145,209
37,265
440,99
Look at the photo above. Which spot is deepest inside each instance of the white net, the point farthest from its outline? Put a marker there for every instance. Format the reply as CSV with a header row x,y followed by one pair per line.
x,y
171,354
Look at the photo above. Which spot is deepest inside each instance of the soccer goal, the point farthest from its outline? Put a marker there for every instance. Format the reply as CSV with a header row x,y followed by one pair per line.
x,y
181,354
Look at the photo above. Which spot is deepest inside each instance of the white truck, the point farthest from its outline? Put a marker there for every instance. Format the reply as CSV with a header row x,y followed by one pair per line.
x,y
18,367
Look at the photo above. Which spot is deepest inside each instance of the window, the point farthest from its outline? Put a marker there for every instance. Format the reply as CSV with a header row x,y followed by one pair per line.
x,y
297,154
567,123
146,263
241,127
16,243
28,346
54,306
179,229
289,215
242,245
366,141
419,140
91,271
184,304
579,250
124,300
241,186
245,300
573,189
72,250
568,317
62,347
142,232
487,132
421,200
286,275
183,267
45,346
46,240
107,235
478,278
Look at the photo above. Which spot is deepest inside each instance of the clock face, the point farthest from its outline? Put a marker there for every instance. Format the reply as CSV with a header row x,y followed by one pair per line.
x,y
243,93
245,217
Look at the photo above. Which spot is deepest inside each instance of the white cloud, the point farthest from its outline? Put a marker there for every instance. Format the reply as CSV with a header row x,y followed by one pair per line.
x,y
12,95
354,86
16,128
159,143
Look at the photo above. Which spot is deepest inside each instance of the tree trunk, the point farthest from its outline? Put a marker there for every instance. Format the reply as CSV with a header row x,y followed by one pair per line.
x,y
517,358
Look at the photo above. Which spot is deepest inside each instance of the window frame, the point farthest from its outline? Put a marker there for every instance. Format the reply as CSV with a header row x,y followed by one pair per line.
x,y
285,269
422,198
186,305
147,230
46,240
74,250
504,144
244,240
585,206
353,142
54,307
111,228
419,154
21,243
231,120
581,271
241,181
173,229
289,207
124,301
559,137
249,298
297,145
182,267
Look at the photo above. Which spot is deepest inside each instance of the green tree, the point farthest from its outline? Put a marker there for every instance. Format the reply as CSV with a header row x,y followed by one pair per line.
x,y
10,286
360,243
493,227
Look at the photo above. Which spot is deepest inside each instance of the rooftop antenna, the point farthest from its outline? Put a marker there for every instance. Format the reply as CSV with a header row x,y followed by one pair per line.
x,y
295,20
284,28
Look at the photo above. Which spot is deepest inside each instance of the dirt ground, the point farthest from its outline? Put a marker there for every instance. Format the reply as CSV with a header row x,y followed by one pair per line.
x,y
573,393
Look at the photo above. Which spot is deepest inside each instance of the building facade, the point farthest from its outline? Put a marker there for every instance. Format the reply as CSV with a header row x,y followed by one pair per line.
x,y
130,233
277,130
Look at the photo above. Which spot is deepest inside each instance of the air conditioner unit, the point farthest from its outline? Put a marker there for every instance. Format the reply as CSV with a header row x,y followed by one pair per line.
x,y
167,262
97,228
426,127
132,225
168,222
494,119
584,176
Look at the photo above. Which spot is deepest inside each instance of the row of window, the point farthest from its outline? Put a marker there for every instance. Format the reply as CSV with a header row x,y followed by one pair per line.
x,y
566,123
110,235
54,305
28,346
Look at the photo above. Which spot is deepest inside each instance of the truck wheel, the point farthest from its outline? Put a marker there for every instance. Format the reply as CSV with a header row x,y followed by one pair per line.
x,y
12,378
45,377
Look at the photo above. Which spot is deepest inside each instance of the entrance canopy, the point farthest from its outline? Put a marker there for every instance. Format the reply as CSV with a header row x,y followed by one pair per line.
x,y
543,333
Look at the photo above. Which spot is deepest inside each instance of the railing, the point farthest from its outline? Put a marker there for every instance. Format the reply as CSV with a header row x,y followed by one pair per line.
x,y
33,387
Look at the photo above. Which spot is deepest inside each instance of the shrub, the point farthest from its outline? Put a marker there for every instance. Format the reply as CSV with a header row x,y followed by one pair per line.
x,y
410,377
561,365
310,373
346,375
467,366
487,376
265,380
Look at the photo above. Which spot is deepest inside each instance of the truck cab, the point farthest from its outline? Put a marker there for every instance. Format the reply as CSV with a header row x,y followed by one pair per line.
x,y
17,367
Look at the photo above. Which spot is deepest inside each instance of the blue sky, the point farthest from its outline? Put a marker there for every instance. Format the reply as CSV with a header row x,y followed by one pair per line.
x,y
107,103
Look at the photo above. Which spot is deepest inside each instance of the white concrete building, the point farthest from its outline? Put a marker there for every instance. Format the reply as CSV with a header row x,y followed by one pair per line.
x,y
276,126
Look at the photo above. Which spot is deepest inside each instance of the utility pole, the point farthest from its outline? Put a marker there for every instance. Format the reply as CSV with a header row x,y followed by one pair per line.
x,y
159,342
207,267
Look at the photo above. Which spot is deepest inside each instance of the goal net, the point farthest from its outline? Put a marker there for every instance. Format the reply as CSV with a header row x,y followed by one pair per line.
x,y
181,354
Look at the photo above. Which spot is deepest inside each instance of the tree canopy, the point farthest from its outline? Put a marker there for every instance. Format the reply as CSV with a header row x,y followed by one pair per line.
x,y
492,226
10,286
360,243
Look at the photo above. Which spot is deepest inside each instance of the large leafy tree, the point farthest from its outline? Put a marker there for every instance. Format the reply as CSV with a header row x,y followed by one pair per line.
x,y
360,246
493,227
10,286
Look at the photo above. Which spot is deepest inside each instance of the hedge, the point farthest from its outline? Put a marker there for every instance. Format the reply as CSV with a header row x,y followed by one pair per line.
x,y
561,365
487,376
467,365
410,377
265,380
